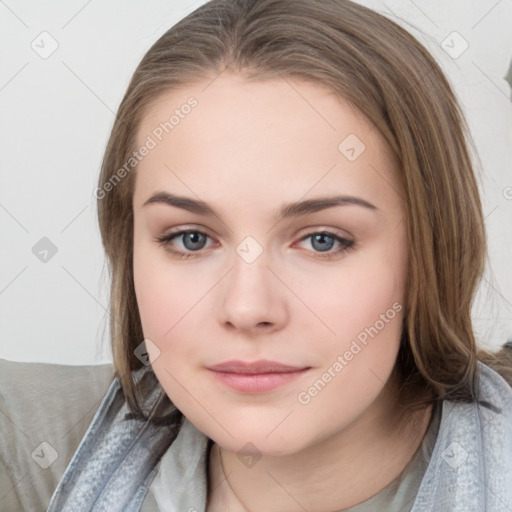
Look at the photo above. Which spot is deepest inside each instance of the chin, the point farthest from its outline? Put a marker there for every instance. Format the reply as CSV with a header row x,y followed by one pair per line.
x,y
258,447
251,437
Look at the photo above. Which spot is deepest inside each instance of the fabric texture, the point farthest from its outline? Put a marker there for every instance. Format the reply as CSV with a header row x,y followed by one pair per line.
x,y
119,463
186,463
45,410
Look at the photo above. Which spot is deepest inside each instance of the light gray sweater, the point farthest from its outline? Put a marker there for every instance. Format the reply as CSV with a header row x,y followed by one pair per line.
x,y
116,463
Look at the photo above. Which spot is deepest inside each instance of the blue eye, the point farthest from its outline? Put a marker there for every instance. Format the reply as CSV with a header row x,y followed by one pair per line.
x,y
320,239
194,241
323,241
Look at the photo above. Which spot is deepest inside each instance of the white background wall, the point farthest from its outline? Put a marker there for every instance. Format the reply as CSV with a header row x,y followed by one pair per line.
x,y
56,114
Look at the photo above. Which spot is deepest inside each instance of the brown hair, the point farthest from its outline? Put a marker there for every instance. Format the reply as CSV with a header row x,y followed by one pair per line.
x,y
388,75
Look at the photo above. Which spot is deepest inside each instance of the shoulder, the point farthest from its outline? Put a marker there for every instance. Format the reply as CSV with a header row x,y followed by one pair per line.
x,y
30,388
113,455
473,448
51,372
46,409
494,394
494,412
485,424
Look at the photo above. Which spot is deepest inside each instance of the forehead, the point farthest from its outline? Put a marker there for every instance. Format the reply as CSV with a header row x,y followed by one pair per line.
x,y
271,135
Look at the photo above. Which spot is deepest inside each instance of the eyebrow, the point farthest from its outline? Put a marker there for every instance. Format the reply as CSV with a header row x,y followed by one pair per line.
x,y
288,210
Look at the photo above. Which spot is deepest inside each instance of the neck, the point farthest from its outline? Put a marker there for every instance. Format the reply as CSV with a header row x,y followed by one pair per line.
x,y
333,474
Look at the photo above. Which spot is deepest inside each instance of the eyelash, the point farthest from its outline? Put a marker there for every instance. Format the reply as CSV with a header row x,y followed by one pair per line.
x,y
165,241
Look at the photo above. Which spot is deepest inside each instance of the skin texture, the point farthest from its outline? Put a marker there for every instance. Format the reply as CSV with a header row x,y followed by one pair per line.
x,y
246,149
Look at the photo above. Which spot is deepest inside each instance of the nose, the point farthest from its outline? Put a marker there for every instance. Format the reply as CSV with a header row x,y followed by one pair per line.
x,y
253,298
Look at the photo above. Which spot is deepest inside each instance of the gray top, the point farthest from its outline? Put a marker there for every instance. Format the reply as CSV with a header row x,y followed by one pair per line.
x,y
45,410
186,463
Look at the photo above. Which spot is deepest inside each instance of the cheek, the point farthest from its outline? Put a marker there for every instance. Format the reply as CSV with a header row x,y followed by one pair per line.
x,y
165,308
361,311
170,302
343,302
159,292
359,359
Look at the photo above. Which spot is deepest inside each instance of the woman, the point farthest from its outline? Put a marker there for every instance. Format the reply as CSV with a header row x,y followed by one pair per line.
x,y
280,203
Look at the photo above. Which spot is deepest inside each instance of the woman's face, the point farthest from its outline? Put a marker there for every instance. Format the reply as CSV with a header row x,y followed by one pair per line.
x,y
268,270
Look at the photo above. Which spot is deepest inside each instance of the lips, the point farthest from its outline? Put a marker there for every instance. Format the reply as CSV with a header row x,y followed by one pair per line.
x,y
256,377
256,367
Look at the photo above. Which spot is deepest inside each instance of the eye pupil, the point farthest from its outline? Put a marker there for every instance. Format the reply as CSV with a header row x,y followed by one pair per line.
x,y
323,246
196,239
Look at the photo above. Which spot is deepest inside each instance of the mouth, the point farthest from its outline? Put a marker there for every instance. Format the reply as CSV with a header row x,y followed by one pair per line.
x,y
256,377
